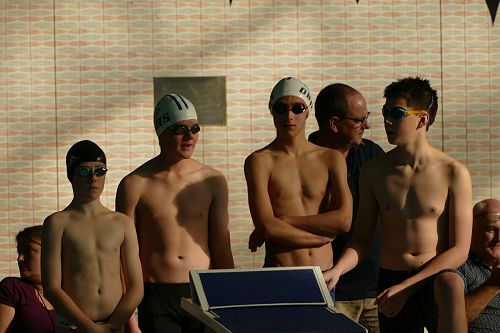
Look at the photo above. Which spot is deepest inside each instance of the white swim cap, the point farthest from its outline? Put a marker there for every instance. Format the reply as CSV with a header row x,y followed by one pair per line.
x,y
171,109
290,86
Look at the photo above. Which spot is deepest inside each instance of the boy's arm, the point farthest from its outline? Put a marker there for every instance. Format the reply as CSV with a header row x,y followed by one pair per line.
x,y
267,226
218,221
132,277
127,197
335,221
366,224
52,275
459,237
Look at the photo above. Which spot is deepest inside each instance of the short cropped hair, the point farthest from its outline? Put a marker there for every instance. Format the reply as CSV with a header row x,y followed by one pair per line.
x,y
30,235
418,94
332,101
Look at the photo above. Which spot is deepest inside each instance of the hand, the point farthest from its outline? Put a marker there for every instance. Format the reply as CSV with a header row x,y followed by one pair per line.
x,y
331,277
99,328
255,241
391,301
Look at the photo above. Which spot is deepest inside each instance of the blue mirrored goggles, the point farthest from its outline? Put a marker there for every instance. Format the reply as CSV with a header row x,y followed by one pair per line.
x,y
399,112
85,171
183,129
282,108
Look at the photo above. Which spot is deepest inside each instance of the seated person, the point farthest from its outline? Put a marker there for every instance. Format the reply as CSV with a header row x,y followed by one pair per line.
x,y
479,277
22,305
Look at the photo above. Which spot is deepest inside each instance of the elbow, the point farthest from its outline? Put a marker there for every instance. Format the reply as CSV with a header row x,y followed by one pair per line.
x,y
345,223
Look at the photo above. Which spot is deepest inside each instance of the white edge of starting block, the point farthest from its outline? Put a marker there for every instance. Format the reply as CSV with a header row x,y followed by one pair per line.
x,y
206,317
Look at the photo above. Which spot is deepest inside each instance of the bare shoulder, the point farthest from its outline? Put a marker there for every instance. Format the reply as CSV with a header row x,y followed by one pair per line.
x,y
331,154
451,166
210,174
57,221
119,217
260,157
138,177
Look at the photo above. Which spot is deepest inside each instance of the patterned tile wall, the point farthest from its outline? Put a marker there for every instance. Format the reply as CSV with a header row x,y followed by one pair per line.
x,y
84,69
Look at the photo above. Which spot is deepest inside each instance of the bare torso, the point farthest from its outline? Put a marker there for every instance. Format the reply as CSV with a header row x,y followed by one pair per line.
x,y
90,260
413,205
171,218
298,185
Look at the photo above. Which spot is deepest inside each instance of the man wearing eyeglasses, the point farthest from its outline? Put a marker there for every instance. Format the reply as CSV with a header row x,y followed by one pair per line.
x,y
297,191
180,210
479,277
422,197
87,248
342,118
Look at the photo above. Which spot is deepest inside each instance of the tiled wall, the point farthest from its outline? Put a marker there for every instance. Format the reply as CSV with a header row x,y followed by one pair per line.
x,y
84,69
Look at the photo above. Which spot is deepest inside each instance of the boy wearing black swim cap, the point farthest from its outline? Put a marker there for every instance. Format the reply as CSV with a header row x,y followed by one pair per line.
x,y
88,247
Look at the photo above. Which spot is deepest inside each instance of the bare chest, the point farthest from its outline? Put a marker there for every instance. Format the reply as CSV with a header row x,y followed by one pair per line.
x,y
174,200
298,179
90,238
412,194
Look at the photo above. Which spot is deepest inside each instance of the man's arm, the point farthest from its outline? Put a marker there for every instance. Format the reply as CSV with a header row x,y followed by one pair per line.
x,y
459,236
52,276
219,238
132,277
335,221
268,227
366,224
477,300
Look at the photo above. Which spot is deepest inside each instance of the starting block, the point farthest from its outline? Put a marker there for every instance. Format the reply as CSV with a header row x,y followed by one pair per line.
x,y
265,300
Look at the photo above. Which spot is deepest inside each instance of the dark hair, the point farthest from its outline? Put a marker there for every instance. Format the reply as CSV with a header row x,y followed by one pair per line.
x,y
83,151
417,92
30,235
332,101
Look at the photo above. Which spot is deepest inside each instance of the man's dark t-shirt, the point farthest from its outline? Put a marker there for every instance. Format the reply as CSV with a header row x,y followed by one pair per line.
x,y
361,282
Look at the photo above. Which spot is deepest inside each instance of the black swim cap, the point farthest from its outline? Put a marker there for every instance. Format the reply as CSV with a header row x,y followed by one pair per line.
x,y
83,151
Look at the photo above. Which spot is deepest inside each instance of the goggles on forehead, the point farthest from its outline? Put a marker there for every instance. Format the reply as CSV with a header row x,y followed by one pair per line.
x,y
183,129
85,171
490,216
399,112
282,108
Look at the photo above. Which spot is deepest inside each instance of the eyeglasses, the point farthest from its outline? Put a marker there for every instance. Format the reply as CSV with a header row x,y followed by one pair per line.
x,y
357,122
399,112
183,129
85,171
282,108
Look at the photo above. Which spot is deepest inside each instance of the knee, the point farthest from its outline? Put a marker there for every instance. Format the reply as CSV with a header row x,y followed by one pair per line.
x,y
448,284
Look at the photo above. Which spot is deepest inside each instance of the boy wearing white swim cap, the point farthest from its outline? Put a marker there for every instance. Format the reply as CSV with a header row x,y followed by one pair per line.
x,y
298,193
180,210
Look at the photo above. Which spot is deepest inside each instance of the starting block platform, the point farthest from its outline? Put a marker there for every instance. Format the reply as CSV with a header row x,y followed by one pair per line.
x,y
265,300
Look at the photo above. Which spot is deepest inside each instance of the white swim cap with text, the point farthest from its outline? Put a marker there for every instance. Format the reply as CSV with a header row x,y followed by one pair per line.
x,y
171,109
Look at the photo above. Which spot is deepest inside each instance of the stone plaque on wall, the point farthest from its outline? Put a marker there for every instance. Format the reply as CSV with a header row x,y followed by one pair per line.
x,y
207,93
